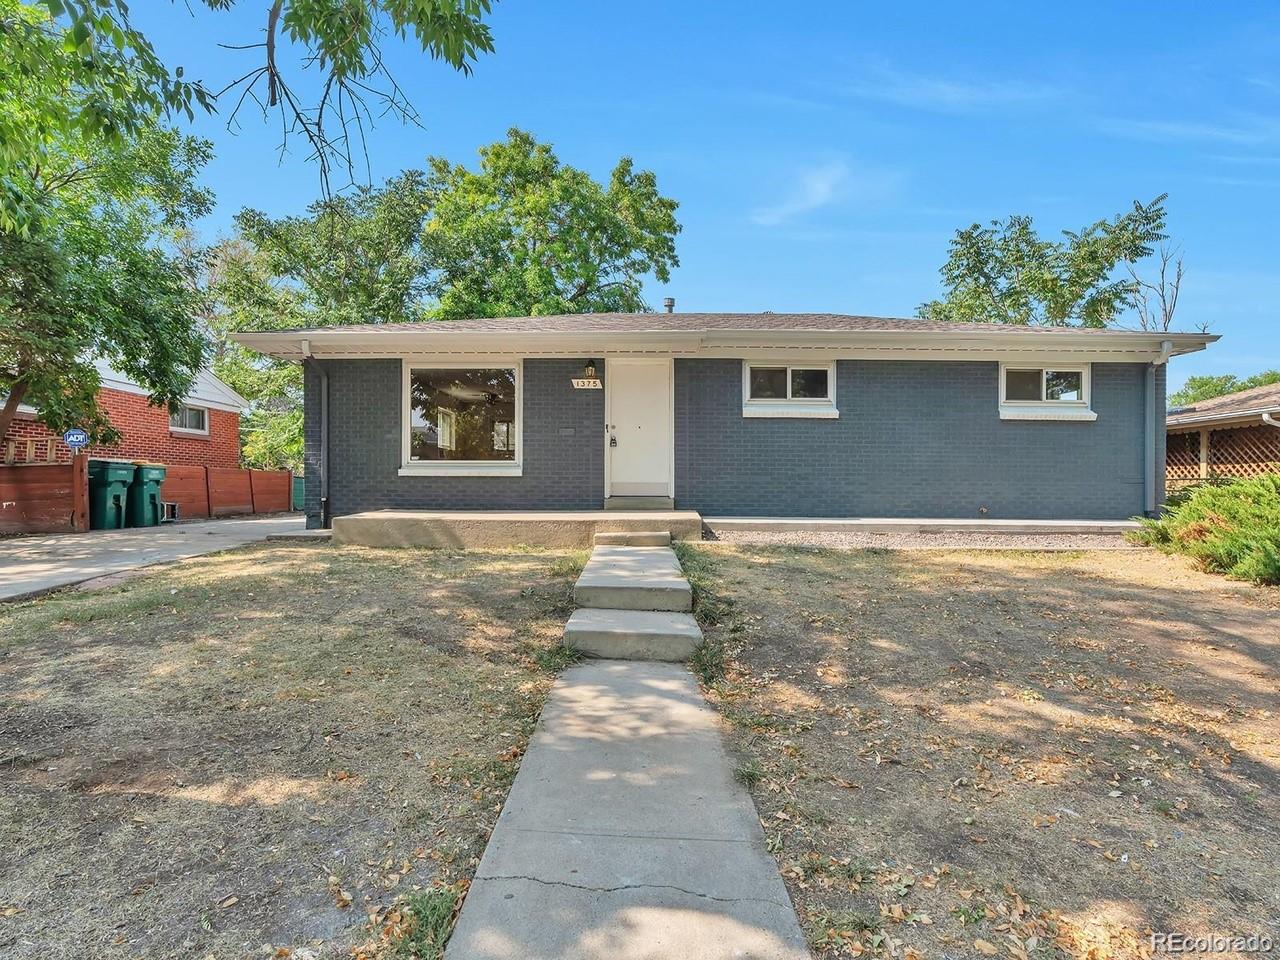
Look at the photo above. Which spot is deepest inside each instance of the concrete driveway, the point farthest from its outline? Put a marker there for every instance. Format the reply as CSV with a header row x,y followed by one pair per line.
x,y
34,565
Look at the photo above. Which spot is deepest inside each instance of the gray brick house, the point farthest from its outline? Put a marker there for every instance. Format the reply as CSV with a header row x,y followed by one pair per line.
x,y
767,414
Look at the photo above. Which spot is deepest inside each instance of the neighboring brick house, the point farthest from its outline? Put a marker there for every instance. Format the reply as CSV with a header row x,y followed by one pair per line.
x,y
206,432
1236,435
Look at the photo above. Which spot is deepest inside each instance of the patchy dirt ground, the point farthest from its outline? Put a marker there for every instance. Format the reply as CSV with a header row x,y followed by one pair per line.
x,y
1014,754
262,747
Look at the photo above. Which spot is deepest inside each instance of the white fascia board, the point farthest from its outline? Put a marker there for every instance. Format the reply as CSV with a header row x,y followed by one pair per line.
x,y
1082,346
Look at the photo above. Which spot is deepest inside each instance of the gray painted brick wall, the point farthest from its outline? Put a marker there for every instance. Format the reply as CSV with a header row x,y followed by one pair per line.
x,y
914,439
563,446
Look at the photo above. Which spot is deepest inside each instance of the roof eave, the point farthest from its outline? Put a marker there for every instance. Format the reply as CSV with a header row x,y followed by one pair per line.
x,y
1223,416
397,342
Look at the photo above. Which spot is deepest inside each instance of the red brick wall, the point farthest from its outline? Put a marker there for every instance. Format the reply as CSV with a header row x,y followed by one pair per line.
x,y
146,435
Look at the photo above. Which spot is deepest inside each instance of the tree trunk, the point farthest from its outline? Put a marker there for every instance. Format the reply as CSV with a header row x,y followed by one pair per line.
x,y
10,408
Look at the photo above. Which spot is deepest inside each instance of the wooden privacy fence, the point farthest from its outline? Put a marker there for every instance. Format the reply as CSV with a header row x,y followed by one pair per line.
x,y
226,491
54,497
44,498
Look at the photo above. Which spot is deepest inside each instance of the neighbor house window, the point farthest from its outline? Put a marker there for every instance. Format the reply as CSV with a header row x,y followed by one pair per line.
x,y
1050,392
788,390
189,419
462,419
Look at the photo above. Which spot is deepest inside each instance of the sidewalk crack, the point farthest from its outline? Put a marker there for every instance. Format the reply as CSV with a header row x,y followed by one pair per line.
x,y
641,886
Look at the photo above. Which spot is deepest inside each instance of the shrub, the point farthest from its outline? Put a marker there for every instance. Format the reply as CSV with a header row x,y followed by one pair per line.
x,y
1231,528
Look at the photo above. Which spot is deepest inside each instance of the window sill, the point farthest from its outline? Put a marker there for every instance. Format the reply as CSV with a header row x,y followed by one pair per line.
x,y
1077,414
455,469
193,434
794,411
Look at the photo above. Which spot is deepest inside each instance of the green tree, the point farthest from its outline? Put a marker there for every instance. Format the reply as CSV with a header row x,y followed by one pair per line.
x,y
1006,273
523,235
527,235
80,66
1208,386
94,277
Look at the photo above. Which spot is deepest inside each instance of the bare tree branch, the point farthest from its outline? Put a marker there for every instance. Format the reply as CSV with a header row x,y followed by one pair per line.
x,y
1156,302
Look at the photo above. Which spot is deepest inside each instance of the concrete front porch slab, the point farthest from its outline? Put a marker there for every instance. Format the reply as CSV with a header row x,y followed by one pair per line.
x,y
505,528
625,836
918,525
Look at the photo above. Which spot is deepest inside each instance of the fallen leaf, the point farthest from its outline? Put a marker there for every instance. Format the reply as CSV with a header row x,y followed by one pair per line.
x,y
228,902
985,947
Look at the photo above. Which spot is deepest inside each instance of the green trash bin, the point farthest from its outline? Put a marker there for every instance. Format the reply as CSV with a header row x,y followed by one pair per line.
x,y
299,492
145,509
108,488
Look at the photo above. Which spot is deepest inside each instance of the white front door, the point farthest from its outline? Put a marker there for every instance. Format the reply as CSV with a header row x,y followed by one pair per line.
x,y
638,418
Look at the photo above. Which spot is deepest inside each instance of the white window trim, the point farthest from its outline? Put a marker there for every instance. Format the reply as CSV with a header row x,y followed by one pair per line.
x,y
793,409
1079,410
459,468
188,430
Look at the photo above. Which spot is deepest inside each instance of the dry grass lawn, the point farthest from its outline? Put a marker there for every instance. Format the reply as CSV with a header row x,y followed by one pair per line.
x,y
1004,754
262,748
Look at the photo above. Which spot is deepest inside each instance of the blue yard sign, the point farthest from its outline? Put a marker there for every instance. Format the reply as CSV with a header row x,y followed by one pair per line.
x,y
76,438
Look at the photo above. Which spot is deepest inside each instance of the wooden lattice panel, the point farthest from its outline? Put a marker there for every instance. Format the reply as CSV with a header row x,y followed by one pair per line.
x,y
1182,457
1244,451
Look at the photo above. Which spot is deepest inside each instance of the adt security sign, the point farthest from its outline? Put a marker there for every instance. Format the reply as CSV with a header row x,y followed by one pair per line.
x,y
76,438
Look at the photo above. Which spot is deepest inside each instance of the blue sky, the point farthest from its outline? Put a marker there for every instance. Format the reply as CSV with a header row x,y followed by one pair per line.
x,y
823,154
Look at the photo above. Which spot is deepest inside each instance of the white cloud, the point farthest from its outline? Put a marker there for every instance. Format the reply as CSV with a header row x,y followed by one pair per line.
x,y
944,95
814,188
823,185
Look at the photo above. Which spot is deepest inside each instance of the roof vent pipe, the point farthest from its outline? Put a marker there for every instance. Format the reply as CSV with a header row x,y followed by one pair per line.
x,y
669,303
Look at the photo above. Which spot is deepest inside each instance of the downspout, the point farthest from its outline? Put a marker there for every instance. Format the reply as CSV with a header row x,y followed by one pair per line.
x,y
310,363
1149,480
1270,421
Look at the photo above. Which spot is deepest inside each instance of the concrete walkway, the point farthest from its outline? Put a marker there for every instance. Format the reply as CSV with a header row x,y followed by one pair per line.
x,y
30,566
625,836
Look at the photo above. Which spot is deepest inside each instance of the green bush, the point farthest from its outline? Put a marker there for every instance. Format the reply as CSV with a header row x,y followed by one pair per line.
x,y
1231,528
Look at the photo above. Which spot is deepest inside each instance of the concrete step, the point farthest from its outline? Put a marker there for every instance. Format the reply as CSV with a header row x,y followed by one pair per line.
x,y
634,538
639,503
633,634
633,578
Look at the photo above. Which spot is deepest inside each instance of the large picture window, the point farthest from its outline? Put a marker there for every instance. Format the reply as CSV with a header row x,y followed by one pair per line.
x,y
461,418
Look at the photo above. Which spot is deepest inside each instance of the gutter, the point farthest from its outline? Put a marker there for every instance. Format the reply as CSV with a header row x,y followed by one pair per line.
x,y
1270,421
1150,481
311,363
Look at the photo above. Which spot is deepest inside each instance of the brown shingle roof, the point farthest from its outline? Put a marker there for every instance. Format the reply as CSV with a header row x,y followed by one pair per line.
x,y
672,322
1231,404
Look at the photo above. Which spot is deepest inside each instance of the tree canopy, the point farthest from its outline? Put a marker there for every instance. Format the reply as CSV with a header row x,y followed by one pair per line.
x,y
527,235
1208,386
80,67
1007,273
93,278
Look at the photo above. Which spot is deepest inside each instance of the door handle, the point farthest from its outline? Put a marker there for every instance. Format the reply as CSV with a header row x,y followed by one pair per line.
x,y
613,440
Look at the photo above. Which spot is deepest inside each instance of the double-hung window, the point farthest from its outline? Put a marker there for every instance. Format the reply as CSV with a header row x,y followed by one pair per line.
x,y
1045,392
789,390
461,420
